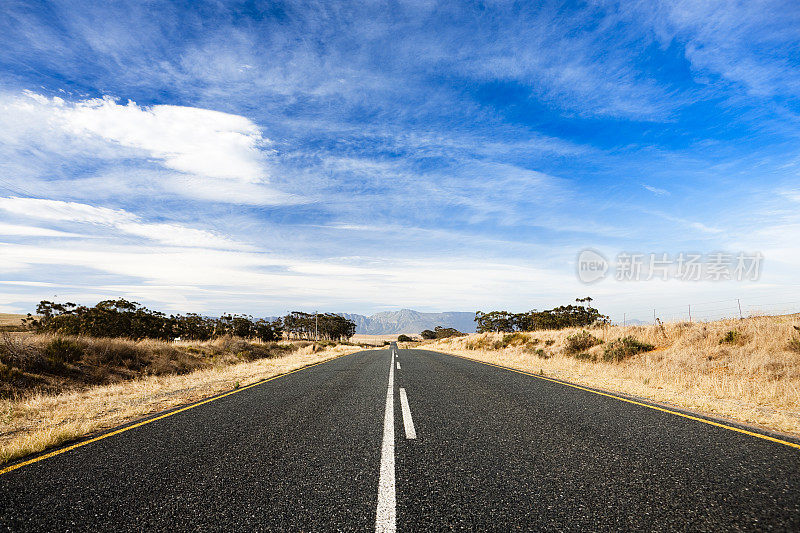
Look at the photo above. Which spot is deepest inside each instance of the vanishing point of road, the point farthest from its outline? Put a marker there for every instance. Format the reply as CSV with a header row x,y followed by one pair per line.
x,y
413,440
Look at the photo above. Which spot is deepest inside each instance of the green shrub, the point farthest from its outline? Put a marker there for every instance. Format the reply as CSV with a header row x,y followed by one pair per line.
x,y
585,356
428,334
731,337
485,343
514,338
281,347
253,351
794,345
580,342
443,333
530,348
625,347
8,373
549,342
404,338
60,351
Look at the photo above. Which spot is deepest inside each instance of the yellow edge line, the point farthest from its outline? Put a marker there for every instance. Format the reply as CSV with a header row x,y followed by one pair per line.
x,y
149,420
622,399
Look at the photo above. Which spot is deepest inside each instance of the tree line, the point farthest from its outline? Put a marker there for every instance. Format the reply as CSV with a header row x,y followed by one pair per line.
x,y
561,317
440,332
324,326
123,318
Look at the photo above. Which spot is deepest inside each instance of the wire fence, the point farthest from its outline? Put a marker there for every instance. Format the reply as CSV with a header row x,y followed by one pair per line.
x,y
708,311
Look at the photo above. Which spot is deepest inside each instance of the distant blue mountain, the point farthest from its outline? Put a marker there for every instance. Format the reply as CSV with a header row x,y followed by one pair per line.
x,y
411,322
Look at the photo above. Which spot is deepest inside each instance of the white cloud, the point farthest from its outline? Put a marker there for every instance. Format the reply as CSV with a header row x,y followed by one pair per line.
x,y
656,190
177,235
187,139
705,229
792,194
290,282
220,280
32,231
64,211
200,153
699,226
165,233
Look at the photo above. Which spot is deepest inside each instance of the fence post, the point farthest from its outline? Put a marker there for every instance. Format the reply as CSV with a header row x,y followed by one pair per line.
x,y
690,313
740,309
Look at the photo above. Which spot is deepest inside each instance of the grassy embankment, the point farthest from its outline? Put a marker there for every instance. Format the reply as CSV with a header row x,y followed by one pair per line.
x,y
746,370
56,389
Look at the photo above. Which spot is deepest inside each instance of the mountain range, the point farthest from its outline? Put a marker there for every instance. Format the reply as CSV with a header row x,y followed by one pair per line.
x,y
411,322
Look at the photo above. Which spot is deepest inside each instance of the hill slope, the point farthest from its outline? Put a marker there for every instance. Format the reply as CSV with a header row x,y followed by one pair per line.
x,y
410,322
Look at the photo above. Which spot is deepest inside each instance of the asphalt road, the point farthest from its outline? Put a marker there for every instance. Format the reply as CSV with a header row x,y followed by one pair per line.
x,y
327,448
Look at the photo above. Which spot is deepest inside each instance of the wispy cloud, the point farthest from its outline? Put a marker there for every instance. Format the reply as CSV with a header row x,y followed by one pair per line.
x,y
33,231
656,190
336,155
566,59
793,194
118,219
747,43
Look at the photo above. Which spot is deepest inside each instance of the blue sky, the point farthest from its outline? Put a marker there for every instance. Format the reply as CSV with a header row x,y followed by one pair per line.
x,y
359,157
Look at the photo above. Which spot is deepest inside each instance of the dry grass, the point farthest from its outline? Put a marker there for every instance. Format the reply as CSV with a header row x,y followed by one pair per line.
x,y
34,422
12,322
11,319
751,375
53,363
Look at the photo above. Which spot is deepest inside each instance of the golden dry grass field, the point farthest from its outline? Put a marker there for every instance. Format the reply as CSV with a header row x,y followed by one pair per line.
x,y
747,370
33,421
11,319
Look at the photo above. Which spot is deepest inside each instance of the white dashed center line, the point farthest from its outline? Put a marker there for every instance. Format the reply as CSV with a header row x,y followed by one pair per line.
x,y
398,365
408,422
386,516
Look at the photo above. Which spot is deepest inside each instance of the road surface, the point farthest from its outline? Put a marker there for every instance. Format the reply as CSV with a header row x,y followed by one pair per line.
x,y
414,441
